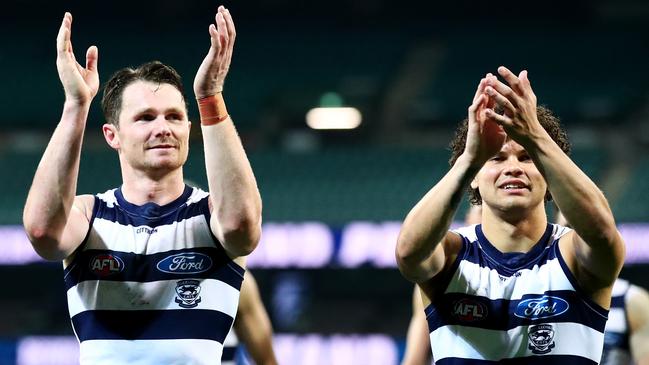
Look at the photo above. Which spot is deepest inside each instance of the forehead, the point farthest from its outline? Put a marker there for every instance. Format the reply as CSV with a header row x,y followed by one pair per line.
x,y
511,146
142,95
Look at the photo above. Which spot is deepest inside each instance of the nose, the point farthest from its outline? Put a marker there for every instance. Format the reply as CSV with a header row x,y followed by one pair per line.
x,y
513,167
161,127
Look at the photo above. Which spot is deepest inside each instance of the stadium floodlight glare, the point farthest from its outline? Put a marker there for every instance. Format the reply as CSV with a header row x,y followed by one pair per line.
x,y
333,118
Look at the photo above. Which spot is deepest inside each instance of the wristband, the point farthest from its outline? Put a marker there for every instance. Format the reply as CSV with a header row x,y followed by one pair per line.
x,y
212,109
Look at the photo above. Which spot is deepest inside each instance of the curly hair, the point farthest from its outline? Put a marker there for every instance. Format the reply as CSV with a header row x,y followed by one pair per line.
x,y
154,71
548,121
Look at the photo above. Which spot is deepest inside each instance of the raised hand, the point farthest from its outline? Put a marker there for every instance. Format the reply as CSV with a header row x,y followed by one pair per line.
x,y
80,84
211,74
518,102
484,136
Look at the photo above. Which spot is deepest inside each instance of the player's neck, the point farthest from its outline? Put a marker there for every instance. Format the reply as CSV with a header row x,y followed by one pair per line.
x,y
514,234
139,189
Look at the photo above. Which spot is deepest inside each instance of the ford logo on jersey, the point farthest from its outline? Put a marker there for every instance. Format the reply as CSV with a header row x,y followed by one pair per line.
x,y
543,306
185,263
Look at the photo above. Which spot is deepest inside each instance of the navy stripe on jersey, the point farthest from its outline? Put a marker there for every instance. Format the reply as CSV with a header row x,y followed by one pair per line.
x,y
152,325
530,360
128,266
485,254
228,353
151,214
617,302
474,311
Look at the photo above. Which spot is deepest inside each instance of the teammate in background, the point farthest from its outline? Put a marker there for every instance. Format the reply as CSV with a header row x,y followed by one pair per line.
x,y
626,337
153,268
417,340
514,288
252,327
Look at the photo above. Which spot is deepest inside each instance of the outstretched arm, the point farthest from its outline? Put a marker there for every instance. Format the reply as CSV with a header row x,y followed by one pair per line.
x,y
234,197
424,244
55,220
253,326
598,246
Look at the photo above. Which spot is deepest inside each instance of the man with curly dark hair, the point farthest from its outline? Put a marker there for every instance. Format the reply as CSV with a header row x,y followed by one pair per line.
x,y
546,118
514,289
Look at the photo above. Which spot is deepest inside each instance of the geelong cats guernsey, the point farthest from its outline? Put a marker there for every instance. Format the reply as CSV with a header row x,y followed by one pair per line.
x,y
513,308
151,284
616,335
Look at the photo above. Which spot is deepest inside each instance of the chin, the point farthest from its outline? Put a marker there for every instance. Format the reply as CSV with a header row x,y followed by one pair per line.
x,y
164,164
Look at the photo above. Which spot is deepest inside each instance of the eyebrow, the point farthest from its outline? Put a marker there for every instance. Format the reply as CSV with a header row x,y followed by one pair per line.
x,y
155,111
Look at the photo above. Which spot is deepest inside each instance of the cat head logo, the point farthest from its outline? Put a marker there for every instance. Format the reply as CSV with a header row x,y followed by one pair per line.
x,y
188,293
541,338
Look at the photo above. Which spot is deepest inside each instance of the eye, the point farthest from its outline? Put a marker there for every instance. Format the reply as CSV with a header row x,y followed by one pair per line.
x,y
496,158
174,116
525,158
146,117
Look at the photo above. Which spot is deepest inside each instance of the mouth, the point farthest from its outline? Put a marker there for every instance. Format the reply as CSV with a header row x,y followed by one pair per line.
x,y
514,186
161,147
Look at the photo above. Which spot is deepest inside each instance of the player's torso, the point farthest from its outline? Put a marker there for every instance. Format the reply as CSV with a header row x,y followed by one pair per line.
x,y
150,284
522,307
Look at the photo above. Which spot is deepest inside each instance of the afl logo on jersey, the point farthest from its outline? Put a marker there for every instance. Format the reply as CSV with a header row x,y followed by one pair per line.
x,y
185,263
106,264
468,310
541,307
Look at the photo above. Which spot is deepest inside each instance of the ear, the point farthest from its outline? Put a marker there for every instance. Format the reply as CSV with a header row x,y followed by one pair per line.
x,y
474,183
111,135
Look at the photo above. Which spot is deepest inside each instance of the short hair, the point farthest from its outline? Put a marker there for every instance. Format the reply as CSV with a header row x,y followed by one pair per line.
x,y
154,71
548,121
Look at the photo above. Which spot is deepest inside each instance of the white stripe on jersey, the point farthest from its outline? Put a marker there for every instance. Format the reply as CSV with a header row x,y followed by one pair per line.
x,y
469,342
115,293
487,283
166,237
147,352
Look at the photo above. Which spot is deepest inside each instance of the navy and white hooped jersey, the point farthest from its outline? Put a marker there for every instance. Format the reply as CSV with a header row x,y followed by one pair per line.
x,y
513,308
151,284
230,346
616,335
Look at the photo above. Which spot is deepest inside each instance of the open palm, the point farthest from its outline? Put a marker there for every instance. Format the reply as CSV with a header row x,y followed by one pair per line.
x,y
80,84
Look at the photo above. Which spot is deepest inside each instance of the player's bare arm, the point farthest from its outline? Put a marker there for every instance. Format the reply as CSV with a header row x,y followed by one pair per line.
x,y
637,307
424,245
252,325
595,249
55,220
234,197
417,341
